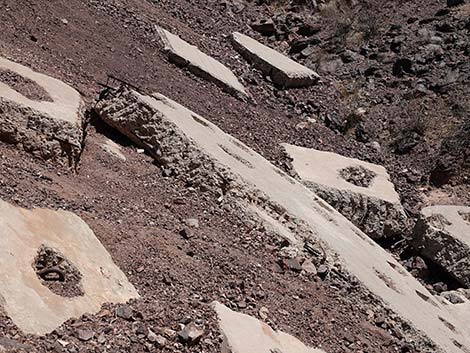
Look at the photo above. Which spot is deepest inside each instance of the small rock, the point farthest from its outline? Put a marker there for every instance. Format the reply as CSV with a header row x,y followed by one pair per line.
x,y
263,313
64,21
265,27
85,335
309,267
293,265
192,222
124,312
191,334
323,271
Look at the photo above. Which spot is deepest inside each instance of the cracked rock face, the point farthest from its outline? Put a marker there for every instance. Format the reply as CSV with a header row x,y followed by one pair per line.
x,y
39,113
361,191
442,235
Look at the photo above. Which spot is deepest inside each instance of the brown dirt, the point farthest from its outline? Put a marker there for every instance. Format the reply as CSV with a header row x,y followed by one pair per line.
x,y
137,214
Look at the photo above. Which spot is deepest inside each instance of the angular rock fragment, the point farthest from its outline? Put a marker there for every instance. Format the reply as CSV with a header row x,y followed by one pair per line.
x,y
39,113
284,71
186,55
361,191
32,306
442,235
245,334
206,158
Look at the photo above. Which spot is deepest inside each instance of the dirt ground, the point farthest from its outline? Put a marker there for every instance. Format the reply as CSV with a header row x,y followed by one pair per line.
x,y
138,214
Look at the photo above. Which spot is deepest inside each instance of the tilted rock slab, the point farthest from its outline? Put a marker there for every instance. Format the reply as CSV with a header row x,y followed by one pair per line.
x,y
442,235
190,146
186,55
372,204
245,334
283,71
44,128
32,306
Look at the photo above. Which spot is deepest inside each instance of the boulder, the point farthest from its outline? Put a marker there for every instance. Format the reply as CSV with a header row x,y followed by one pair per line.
x,y
442,235
39,113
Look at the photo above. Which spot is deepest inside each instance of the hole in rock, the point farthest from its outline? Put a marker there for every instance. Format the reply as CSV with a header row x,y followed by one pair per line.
x,y
358,176
24,86
57,273
465,216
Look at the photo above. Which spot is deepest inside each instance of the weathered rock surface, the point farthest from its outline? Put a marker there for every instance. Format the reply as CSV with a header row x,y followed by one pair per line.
x,y
30,304
284,71
186,55
48,127
442,235
206,158
245,334
359,190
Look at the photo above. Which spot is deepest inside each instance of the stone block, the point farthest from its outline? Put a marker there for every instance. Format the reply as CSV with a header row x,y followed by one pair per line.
x,y
283,71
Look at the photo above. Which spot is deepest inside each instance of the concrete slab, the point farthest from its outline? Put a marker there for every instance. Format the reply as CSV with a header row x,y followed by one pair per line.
x,y
284,71
201,153
46,128
245,334
361,191
442,235
187,55
113,149
34,308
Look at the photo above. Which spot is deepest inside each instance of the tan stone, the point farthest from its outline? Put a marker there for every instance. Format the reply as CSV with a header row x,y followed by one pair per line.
x,y
199,63
284,71
31,305
245,334
46,128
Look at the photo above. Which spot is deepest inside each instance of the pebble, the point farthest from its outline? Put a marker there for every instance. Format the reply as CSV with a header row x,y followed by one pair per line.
x,y
85,335
191,334
124,312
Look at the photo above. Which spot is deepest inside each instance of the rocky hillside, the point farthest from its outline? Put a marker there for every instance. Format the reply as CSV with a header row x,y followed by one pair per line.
x,y
393,90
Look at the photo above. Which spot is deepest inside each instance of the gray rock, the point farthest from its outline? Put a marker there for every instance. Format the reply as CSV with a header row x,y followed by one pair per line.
x,y
442,235
85,335
191,334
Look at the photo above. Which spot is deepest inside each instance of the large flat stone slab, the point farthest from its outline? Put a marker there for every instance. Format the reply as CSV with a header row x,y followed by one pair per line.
x,y
187,55
284,71
442,235
47,127
245,334
33,307
205,157
361,191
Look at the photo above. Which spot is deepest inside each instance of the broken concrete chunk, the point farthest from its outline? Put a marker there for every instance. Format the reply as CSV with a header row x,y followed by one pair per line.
x,y
361,191
38,112
245,334
442,235
187,55
33,307
284,71
207,158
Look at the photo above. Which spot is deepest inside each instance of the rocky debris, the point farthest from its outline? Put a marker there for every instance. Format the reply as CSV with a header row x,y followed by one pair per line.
x,y
186,55
11,345
243,334
191,334
282,70
205,158
57,273
24,233
39,113
361,191
442,235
